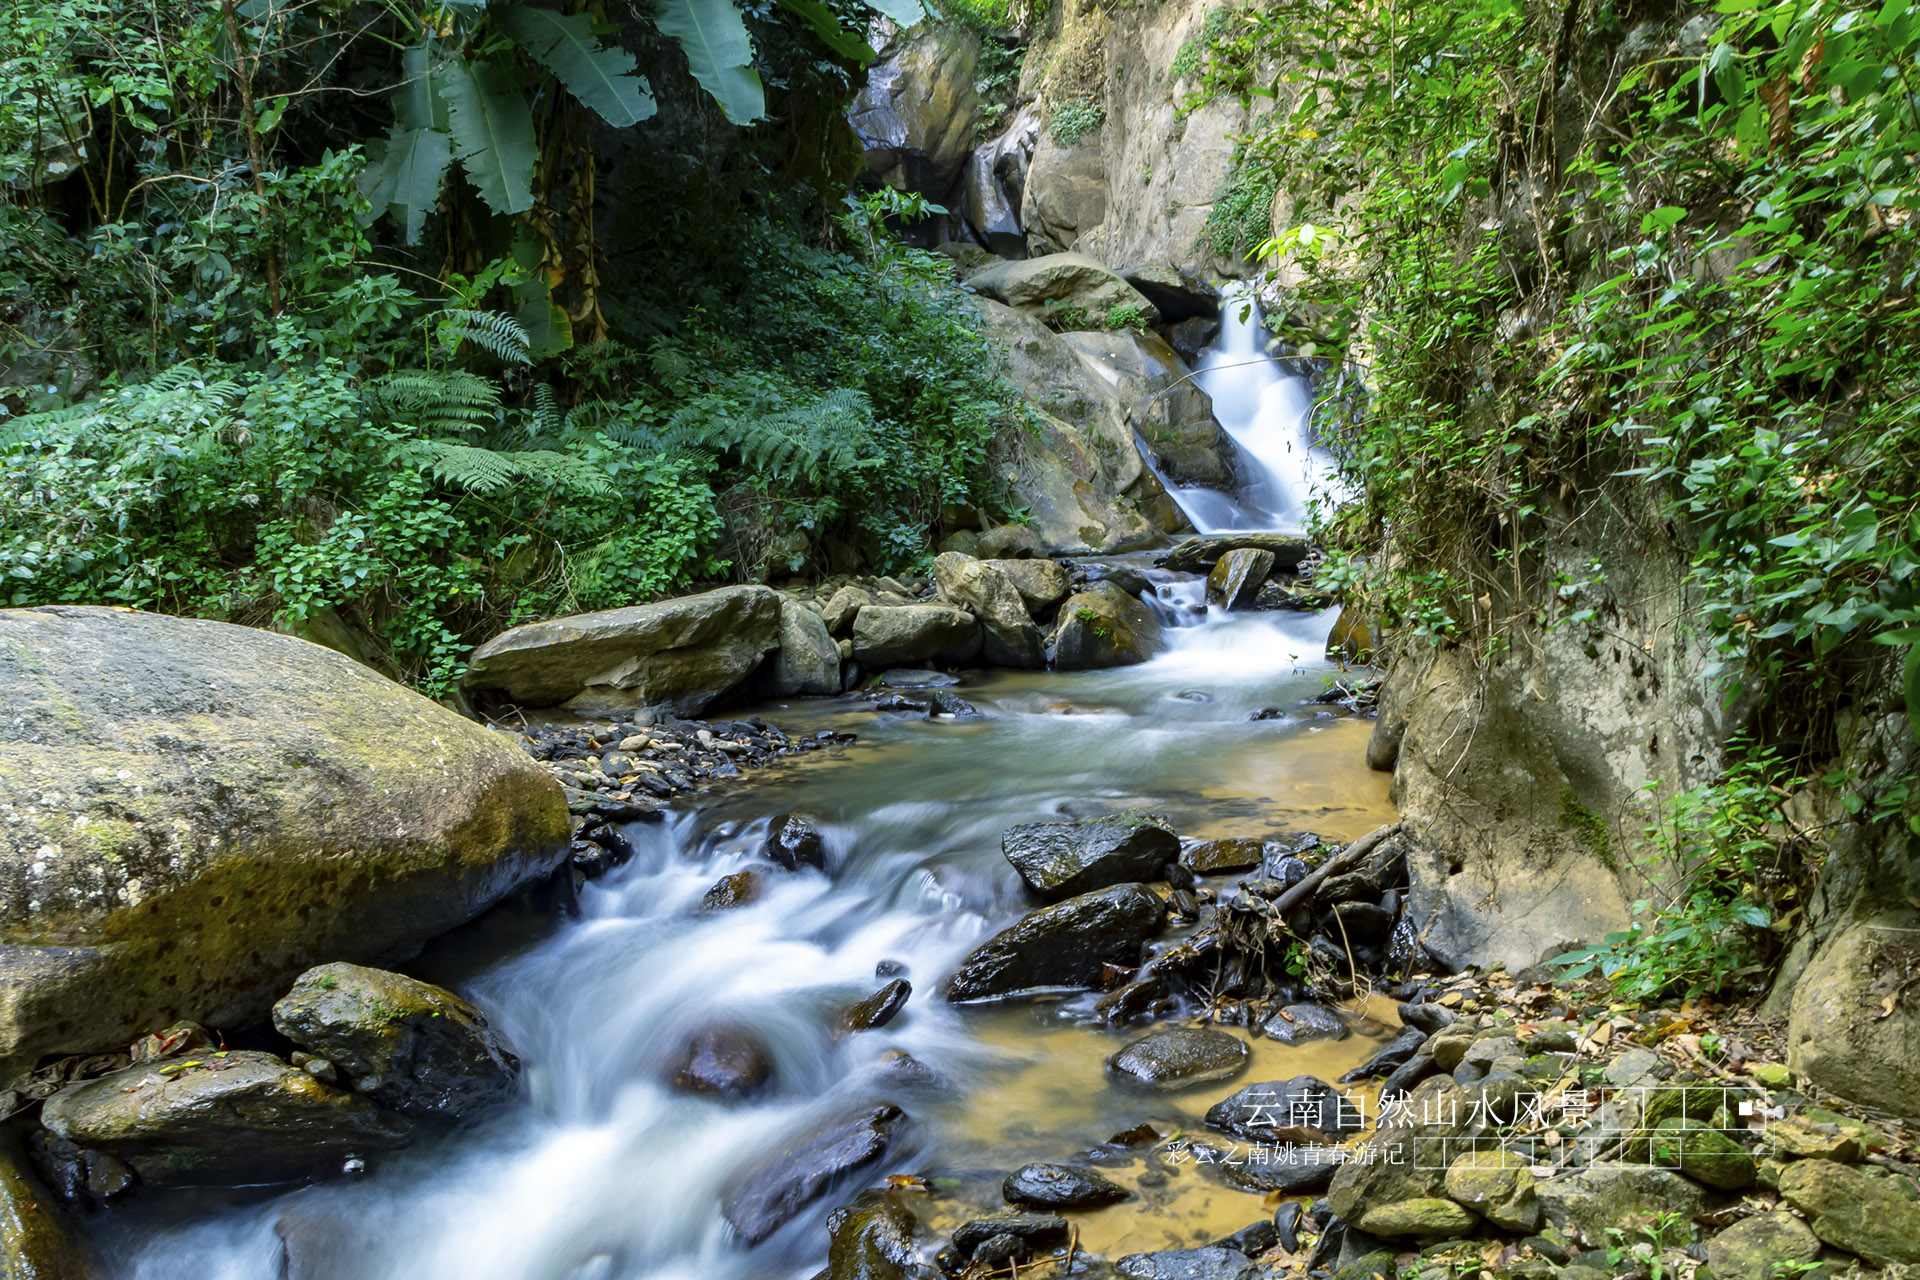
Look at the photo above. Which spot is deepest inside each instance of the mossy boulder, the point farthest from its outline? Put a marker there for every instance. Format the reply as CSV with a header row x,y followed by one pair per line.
x,y
1867,1216
1762,1248
1497,1185
1422,1216
1042,584
37,1239
409,1045
1237,577
222,1119
871,1239
1703,1153
1103,626
198,812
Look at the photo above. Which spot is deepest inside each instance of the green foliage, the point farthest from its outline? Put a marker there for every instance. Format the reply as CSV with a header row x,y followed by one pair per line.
x,y
1241,219
1072,121
1071,317
1589,826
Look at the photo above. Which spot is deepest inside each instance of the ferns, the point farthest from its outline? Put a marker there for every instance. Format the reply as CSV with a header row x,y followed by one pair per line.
x,y
492,471
819,442
435,401
498,334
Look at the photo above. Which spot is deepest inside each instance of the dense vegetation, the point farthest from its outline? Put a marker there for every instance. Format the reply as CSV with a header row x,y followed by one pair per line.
x,y
1599,255
618,334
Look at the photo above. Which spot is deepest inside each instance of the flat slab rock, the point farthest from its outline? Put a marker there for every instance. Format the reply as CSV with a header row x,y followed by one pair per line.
x,y
768,1197
1212,1263
1198,554
1061,859
1182,1057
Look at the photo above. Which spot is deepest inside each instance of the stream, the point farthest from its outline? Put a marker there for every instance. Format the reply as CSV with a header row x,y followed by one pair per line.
x,y
598,1171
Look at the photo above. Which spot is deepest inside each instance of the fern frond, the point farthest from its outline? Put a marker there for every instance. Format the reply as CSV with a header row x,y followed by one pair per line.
x,y
437,401
491,471
495,332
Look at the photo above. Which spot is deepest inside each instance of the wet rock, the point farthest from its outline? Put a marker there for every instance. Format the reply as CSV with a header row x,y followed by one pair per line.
x,y
997,1251
1192,336
840,609
37,1239
1587,1206
1103,626
1060,1186
1285,1169
767,1197
1218,857
1703,1153
878,1009
951,705
1197,555
1182,1057
1213,1263
736,890
1010,638
1123,576
1042,584
723,1061
222,1119
1363,922
677,655
871,1239
910,633
1300,1023
807,661
794,840
1061,859
1855,1211
1068,944
1430,1018
1279,1110
1762,1248
1286,1225
1425,1216
1389,1059
1236,578
410,1046
1066,279
1255,1237
1033,1229
915,112
196,812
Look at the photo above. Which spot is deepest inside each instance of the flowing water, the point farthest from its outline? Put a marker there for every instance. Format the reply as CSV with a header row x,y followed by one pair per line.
x,y
598,1172
1267,412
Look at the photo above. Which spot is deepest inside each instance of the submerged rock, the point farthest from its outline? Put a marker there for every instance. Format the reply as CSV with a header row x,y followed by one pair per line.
x,y
767,1197
1031,1228
1182,1057
1211,1263
221,1120
1060,1186
1103,626
794,840
197,812
736,890
1068,944
1061,859
410,1046
725,1061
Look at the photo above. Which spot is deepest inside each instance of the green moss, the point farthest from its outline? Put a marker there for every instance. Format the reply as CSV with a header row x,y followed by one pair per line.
x,y
1589,826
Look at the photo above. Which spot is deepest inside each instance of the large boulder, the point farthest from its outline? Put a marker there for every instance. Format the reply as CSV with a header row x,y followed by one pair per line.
x,y
768,1196
1010,637
913,633
1592,1207
37,1239
1873,1217
994,182
1062,859
410,1046
222,1119
1065,194
872,1239
197,812
1038,287
1167,409
1068,944
676,655
1042,584
915,115
725,1061
1103,626
1850,1030
1197,555
807,661
1238,576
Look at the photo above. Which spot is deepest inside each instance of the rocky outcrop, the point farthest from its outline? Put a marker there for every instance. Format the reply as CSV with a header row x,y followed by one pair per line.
x,y
914,633
1066,193
1068,944
37,1239
410,1046
1062,859
916,114
1010,637
198,812
807,661
1037,286
1103,626
994,183
764,1199
1166,408
678,655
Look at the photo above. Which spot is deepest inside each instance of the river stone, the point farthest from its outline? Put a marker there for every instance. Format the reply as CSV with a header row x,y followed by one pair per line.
x,y
1218,857
1032,1228
222,1119
723,1061
1196,555
1427,1216
907,633
1068,944
1181,1057
1278,1110
871,1239
1211,1263
1703,1153
1406,1161
736,890
878,1009
808,661
37,1239
1498,1185
1103,626
763,1200
1762,1248
1042,584
842,607
1068,279
1061,859
1060,1186
1588,1205
794,840
1283,1168
410,1046
1237,577
1301,1023
679,655
198,812
1009,637
1854,1211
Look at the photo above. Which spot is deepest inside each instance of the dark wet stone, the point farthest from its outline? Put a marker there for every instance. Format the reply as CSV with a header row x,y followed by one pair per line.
x,y
1300,1023
1034,1228
1060,1186
794,841
1364,921
736,890
1288,1170
1389,1059
1140,1135
1279,1110
871,1239
1287,869
1188,1264
1255,1237
1068,944
916,678
723,1061
889,969
766,1198
1061,859
1217,857
1286,1226
953,706
878,1009
1181,1057
997,1251
1429,1018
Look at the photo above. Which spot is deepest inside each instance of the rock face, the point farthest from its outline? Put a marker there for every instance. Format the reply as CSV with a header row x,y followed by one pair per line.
x,y
222,1119
37,1240
1065,194
1843,1034
915,116
768,1197
1238,576
993,185
1065,945
1042,584
1171,414
199,812
1103,626
1061,280
410,1046
1182,1057
808,661
1010,637
891,637
678,655
1061,859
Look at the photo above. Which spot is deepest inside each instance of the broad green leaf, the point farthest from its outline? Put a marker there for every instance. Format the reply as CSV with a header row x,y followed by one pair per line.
x,y
417,103
719,52
831,33
902,13
492,131
600,76
407,180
